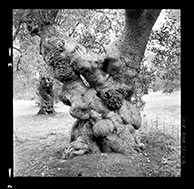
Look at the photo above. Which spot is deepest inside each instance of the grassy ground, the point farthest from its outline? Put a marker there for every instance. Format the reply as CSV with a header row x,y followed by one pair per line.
x,y
39,140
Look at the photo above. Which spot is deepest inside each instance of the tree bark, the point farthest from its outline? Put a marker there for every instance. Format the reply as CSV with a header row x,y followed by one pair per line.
x,y
46,96
130,47
106,120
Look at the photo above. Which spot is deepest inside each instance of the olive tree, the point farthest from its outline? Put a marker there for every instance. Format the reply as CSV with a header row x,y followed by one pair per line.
x,y
97,89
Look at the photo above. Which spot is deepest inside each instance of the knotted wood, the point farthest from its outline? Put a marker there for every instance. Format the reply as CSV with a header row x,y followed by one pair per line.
x,y
99,89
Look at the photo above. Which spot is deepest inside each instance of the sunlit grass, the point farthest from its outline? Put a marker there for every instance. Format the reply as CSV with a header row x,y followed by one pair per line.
x,y
161,133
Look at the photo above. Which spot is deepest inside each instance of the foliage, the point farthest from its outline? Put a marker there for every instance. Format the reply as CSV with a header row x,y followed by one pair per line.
x,y
143,83
28,66
165,43
93,28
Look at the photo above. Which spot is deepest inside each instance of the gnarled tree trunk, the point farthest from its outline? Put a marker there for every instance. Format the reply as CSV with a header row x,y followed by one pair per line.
x,y
106,120
46,96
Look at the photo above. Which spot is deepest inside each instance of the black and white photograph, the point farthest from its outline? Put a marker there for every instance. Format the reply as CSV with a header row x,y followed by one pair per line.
x,y
96,92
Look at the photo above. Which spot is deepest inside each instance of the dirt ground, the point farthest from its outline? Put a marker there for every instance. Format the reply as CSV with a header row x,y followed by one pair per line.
x,y
39,141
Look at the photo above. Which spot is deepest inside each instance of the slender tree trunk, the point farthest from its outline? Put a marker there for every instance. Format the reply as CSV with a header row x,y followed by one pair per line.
x,y
46,96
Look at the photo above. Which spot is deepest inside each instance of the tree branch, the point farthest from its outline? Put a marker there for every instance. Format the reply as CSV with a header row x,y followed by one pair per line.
x,y
19,60
133,41
73,30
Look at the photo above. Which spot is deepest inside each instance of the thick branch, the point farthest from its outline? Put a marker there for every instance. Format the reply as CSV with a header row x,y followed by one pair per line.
x,y
138,25
130,47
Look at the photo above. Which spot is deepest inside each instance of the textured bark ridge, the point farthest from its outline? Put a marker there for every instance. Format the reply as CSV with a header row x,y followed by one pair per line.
x,y
46,96
99,90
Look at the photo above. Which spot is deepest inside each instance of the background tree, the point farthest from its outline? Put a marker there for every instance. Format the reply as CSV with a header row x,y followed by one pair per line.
x,y
30,69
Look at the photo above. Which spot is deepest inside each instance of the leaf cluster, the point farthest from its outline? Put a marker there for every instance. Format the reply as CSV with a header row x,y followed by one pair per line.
x,y
165,42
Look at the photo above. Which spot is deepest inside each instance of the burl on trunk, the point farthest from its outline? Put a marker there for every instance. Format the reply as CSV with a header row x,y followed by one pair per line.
x,y
99,90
